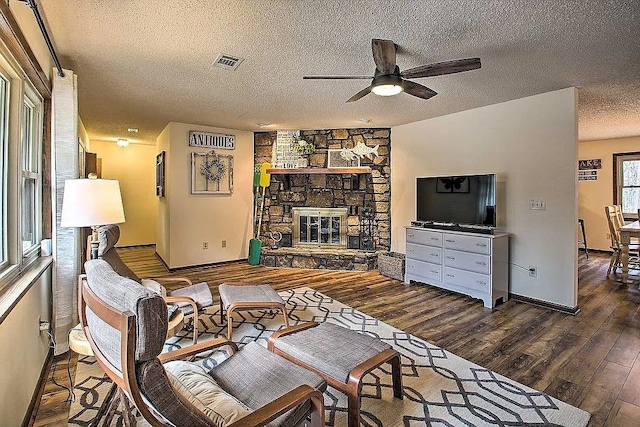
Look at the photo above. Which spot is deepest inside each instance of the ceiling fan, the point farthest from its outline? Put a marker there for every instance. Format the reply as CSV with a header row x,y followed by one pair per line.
x,y
388,80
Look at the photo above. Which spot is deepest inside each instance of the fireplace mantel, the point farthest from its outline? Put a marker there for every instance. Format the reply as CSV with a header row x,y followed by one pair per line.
x,y
310,171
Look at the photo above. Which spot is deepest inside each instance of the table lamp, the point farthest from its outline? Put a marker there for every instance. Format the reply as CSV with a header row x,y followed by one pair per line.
x,y
91,203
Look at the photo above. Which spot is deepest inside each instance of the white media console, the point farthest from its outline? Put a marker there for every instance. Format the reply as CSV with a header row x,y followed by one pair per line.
x,y
473,264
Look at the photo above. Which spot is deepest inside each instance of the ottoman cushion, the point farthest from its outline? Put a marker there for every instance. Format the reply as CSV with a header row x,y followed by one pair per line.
x,y
230,294
331,349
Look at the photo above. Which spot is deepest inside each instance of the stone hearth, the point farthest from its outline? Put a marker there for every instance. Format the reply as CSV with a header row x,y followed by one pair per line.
x,y
325,259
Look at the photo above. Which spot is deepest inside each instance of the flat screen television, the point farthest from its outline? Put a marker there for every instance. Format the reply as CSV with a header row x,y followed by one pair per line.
x,y
463,200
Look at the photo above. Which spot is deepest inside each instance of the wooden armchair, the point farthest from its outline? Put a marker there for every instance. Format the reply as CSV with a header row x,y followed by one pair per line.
x,y
124,324
192,299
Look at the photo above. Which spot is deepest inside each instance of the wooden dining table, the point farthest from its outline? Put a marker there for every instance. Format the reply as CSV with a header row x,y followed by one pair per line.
x,y
626,233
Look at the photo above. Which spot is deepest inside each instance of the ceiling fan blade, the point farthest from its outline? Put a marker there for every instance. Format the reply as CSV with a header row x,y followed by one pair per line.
x,y
440,68
384,55
418,90
335,77
360,94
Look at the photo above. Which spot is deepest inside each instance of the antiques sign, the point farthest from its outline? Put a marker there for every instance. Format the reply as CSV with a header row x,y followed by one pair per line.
x,y
211,140
589,164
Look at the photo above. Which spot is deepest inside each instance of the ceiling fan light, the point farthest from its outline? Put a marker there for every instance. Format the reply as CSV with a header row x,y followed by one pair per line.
x,y
387,90
123,142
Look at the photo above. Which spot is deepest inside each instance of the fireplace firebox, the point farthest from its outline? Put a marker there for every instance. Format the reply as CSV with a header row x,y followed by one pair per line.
x,y
319,227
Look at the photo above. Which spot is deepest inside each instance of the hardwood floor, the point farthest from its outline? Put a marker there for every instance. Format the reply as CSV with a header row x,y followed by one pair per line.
x,y
589,360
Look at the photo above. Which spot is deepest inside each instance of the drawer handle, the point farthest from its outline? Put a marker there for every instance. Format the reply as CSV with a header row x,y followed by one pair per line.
x,y
435,255
480,282
411,266
450,257
410,235
450,241
409,250
481,263
449,275
434,271
482,245
434,238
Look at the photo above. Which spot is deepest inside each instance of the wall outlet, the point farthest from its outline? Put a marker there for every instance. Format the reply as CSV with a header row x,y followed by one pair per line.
x,y
533,271
537,204
205,245
224,243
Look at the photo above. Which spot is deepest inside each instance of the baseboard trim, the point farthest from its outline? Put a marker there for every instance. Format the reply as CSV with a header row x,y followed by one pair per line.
x,y
34,405
186,267
545,304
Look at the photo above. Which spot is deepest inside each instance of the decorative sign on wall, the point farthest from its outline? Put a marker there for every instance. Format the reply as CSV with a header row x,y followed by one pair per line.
x,y
160,169
589,164
211,140
211,173
588,175
283,154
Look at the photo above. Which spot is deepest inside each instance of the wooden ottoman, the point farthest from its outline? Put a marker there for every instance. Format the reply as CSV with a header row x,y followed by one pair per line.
x,y
248,297
341,356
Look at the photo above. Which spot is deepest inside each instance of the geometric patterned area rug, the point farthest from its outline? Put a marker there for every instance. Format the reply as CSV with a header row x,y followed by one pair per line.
x,y
439,388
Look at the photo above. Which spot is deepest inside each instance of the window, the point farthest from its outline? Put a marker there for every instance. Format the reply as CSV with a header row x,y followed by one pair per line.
x,y
627,177
21,119
30,199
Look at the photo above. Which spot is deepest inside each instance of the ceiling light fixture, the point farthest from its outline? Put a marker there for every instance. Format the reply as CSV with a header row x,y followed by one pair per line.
x,y
132,130
264,125
123,142
386,85
365,120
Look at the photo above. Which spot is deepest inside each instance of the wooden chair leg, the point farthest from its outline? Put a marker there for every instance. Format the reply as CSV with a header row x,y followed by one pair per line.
x,y
396,376
229,325
284,315
106,404
221,312
113,407
127,411
353,408
195,327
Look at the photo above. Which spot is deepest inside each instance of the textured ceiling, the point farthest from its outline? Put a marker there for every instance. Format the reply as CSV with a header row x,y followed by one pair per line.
x,y
145,63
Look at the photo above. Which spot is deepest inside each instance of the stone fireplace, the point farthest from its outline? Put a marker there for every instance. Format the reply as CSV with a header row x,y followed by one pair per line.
x,y
296,202
319,227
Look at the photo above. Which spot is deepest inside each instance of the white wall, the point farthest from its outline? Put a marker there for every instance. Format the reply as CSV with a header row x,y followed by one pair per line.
x,y
531,143
134,166
24,351
196,218
593,196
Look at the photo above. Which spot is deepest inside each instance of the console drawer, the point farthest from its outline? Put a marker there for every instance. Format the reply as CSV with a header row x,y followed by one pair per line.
x,y
480,245
467,261
467,279
423,269
424,253
424,237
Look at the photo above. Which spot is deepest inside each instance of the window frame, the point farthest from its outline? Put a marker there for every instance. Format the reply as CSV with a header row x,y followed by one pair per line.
x,y
33,171
19,88
618,176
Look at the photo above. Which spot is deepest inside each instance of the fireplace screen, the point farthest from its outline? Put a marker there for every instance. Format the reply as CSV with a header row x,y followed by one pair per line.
x,y
320,227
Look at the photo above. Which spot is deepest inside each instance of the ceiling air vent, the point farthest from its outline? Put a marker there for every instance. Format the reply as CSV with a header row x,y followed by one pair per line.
x,y
227,61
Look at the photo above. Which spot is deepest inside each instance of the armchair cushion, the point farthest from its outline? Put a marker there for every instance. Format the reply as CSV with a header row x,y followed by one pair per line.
x,y
156,387
125,295
194,384
108,236
256,368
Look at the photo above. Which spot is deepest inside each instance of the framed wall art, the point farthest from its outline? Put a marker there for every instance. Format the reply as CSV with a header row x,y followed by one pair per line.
x,y
211,173
160,168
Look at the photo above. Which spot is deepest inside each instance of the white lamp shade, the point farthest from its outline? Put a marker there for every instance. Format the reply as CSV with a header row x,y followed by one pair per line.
x,y
89,202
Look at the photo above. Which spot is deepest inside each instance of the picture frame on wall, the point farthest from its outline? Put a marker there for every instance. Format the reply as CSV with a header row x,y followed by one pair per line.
x,y
160,172
211,173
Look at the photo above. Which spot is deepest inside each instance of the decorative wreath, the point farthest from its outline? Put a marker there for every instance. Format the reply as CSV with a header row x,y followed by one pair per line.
x,y
213,169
